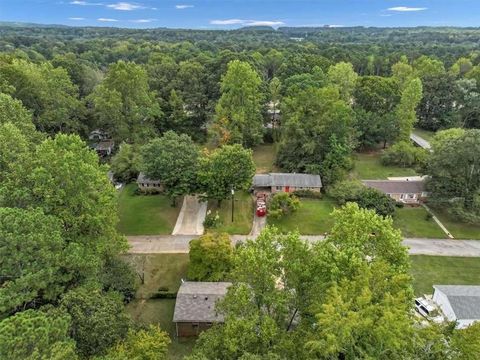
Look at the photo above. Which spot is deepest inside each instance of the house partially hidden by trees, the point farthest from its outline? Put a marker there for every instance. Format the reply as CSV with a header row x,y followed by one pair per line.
x,y
276,182
101,142
460,303
407,191
148,185
195,307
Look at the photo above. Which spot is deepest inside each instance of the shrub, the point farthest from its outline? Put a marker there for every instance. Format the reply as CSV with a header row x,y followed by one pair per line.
x,y
405,154
282,204
310,194
212,221
345,191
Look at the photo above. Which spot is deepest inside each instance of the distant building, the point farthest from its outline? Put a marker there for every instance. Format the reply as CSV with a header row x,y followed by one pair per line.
x,y
98,135
275,182
460,303
104,147
195,307
148,185
404,191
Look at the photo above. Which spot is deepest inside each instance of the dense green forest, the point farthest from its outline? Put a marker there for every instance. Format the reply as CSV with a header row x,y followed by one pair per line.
x,y
187,107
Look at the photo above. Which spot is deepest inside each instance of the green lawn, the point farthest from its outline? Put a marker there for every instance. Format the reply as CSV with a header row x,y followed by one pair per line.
x,y
369,167
458,229
413,223
264,158
162,271
426,134
243,214
442,270
313,218
145,214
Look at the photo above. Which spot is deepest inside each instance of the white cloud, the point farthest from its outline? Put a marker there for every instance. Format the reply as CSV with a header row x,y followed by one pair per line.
x,y
406,8
142,21
246,22
106,20
125,6
76,18
181,7
85,3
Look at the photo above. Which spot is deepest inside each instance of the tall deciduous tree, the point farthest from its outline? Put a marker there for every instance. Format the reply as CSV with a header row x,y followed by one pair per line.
x,y
454,169
406,109
312,118
99,320
226,168
124,105
172,159
343,77
211,257
239,109
126,162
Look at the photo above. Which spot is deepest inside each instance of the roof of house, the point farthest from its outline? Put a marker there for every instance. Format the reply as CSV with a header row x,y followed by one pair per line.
x,y
196,301
143,179
104,145
281,179
464,300
396,186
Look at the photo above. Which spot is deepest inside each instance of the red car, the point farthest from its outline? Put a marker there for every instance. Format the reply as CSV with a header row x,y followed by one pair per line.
x,y
261,204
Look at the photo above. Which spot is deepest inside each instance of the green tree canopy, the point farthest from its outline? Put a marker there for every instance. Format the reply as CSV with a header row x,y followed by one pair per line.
x,y
226,168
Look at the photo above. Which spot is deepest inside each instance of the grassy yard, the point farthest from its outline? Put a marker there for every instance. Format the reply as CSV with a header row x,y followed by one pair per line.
x,y
313,218
442,270
369,167
458,229
426,134
243,214
145,214
163,271
413,223
264,158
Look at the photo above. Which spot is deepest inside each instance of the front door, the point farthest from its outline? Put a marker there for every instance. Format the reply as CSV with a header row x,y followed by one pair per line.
x,y
287,189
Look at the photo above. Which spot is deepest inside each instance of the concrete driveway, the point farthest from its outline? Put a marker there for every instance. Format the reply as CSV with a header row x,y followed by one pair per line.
x,y
180,244
191,217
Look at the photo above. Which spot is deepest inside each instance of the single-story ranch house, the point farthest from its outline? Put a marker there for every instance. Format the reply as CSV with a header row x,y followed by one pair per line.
x,y
405,191
460,303
275,182
148,185
195,306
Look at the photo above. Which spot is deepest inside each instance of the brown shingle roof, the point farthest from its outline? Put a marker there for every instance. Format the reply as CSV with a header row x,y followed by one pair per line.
x,y
396,186
282,179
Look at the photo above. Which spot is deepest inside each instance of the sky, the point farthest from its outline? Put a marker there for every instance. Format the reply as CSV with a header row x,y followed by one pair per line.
x,y
231,14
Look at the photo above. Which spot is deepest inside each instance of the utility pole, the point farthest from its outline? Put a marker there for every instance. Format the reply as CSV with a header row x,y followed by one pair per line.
x,y
233,202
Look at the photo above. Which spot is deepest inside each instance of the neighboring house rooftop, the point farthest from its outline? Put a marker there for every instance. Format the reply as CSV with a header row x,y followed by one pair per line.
x,y
464,300
196,301
143,179
396,186
282,179
104,145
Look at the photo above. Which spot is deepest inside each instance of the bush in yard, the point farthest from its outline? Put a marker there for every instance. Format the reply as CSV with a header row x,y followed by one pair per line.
x,y
126,162
119,276
212,221
309,194
282,204
210,257
345,191
376,200
405,154
367,198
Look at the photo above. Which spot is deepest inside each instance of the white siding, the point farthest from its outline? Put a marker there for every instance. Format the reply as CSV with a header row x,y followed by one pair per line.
x,y
442,301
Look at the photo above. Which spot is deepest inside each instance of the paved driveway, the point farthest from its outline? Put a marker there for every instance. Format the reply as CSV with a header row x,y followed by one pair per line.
x,y
191,217
180,244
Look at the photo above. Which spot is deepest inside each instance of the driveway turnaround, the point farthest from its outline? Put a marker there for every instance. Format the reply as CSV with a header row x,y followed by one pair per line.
x,y
180,244
191,217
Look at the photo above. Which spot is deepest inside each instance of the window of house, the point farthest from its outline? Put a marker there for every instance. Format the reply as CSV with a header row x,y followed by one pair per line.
x,y
411,196
278,188
195,325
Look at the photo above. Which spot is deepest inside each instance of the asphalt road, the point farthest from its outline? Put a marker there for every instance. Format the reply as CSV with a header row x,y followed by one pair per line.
x,y
179,244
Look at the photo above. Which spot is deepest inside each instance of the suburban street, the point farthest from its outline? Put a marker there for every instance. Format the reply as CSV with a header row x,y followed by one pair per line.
x,y
179,244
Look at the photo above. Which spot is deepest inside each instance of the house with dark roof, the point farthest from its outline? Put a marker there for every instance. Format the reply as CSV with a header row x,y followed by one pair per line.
x,y
195,306
146,184
460,303
405,191
275,182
